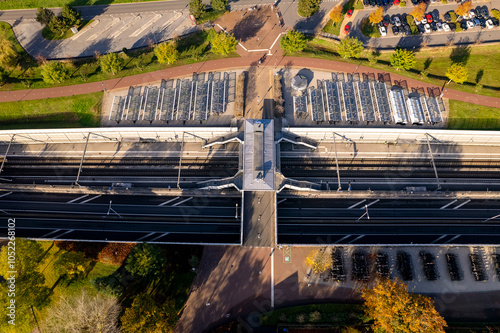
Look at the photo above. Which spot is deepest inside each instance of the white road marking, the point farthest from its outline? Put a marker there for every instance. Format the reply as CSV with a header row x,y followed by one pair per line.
x,y
106,27
183,201
437,240
64,233
138,239
345,237
97,196
371,203
448,204
164,234
453,239
5,194
83,196
355,239
167,202
462,204
125,27
351,207
281,201
146,26
50,233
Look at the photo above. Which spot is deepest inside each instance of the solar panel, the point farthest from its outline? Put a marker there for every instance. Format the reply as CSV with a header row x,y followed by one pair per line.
x,y
399,106
317,104
218,97
151,103
416,110
433,109
351,108
382,101
300,105
185,99
231,87
134,104
333,101
201,101
365,101
118,108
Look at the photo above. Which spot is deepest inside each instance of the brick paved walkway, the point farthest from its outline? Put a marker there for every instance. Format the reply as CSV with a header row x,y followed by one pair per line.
x,y
224,64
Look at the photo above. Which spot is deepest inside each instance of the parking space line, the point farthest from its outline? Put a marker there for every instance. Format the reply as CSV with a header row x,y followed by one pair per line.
x,y
359,203
371,203
83,196
64,233
355,239
97,196
138,239
146,26
345,237
183,201
167,202
164,234
448,204
106,27
5,194
462,204
452,239
125,27
281,201
437,240
50,233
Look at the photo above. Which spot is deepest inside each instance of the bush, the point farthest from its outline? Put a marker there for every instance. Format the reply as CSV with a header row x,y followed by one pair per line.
x,y
459,28
402,3
308,7
54,72
444,2
239,102
495,13
293,41
453,16
109,285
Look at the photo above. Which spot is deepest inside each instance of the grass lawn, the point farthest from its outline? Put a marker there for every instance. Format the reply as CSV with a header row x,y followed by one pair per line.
x,y
75,111
28,73
48,34
471,116
20,4
482,62
332,27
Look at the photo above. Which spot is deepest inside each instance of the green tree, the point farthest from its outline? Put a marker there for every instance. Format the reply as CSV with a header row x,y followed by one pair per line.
x,y
293,41
44,15
145,315
71,16
72,264
376,16
57,25
308,7
394,310
457,73
167,53
3,75
336,14
111,63
223,43
350,47
196,8
403,59
146,261
8,54
219,5
54,72
319,261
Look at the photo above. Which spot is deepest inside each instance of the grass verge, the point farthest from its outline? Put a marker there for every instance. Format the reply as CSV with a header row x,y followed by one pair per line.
x,y
22,4
50,35
210,15
466,116
332,27
74,111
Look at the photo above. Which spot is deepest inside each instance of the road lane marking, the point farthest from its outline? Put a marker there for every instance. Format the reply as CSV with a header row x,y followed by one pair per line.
x,y
166,202
5,194
83,196
462,204
351,207
371,203
97,196
437,240
355,239
64,233
150,234
448,204
281,201
183,201
345,237
452,239
164,234
50,233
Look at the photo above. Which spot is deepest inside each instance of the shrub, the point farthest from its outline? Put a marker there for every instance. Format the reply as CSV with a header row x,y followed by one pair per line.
x,y
495,13
402,3
109,285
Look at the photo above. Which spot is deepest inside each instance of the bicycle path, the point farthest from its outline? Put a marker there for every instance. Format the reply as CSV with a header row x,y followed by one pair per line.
x,y
225,64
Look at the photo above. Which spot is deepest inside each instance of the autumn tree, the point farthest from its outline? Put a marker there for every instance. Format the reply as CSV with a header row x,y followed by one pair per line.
x,y
336,14
8,53
457,73
72,264
308,8
111,63
463,8
403,59
146,261
167,53
376,16
219,5
350,47
418,11
54,72
83,313
293,41
196,8
319,260
394,310
44,15
145,315
223,43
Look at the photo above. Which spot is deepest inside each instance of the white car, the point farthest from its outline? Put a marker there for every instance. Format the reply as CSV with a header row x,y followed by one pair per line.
x,y
424,21
417,22
465,16
427,28
383,31
471,14
439,26
397,21
446,27
470,25
489,23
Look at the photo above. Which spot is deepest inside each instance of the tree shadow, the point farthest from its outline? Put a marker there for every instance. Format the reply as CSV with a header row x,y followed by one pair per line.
x,y
427,63
460,54
479,75
311,22
249,26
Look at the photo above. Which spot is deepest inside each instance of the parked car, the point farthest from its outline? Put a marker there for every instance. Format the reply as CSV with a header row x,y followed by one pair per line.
x,y
397,21
391,20
347,27
485,12
428,17
470,25
466,16
434,26
453,26
495,21
482,22
447,17
427,28
421,28
439,26
407,29
472,13
414,2
395,30
383,31
395,2
476,22
366,2
446,27
379,3
464,25
435,15
349,13
424,21
385,2
373,3
386,20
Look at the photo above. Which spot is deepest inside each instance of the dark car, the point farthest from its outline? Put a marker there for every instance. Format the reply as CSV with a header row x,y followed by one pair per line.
x,y
386,20
347,27
453,26
434,26
379,3
447,17
427,1
414,2
407,29
395,30
495,21
373,3
476,21
366,2
385,2
485,12
435,15
463,24
421,28
482,22
403,17
349,13
428,17
391,20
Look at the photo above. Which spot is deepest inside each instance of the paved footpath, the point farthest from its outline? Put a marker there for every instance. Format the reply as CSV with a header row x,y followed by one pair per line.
x,y
224,64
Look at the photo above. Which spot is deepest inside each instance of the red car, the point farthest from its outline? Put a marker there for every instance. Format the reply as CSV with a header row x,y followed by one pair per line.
x,y
347,28
349,13
428,17
395,2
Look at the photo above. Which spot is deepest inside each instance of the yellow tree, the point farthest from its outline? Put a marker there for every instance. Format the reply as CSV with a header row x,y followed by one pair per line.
x,y
457,73
418,12
8,53
319,260
336,14
395,310
463,8
376,16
